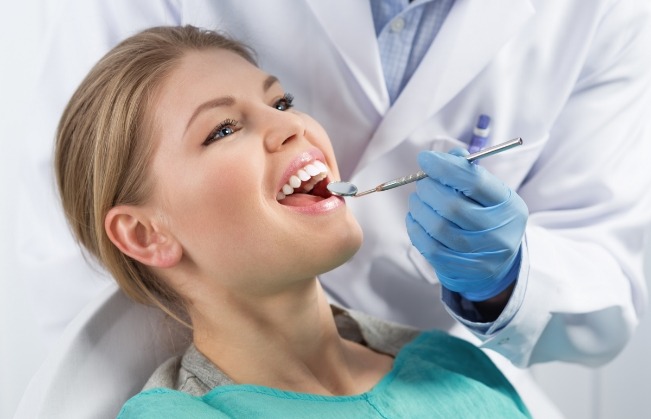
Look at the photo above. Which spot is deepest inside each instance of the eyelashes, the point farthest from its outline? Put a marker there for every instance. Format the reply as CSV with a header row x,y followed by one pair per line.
x,y
222,130
285,103
230,126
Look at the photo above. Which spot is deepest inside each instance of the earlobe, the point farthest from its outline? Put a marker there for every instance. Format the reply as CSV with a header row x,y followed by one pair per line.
x,y
134,235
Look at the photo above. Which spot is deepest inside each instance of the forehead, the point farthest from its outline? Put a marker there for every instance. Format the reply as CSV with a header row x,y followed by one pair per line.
x,y
216,67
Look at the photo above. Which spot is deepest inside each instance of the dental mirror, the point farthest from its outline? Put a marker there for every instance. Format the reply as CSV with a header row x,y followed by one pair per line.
x,y
343,188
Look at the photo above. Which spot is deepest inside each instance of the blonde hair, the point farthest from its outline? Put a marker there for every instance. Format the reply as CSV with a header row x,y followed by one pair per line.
x,y
103,146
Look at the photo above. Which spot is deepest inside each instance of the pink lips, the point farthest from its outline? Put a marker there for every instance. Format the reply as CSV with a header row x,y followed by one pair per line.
x,y
320,207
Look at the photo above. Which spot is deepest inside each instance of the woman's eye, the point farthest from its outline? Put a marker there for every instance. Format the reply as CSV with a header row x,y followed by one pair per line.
x,y
284,103
224,129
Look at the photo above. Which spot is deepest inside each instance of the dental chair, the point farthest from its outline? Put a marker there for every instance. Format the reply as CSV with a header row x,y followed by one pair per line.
x,y
104,357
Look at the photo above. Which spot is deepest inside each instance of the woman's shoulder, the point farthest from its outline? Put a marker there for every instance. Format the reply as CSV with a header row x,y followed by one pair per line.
x,y
446,360
166,402
448,370
454,354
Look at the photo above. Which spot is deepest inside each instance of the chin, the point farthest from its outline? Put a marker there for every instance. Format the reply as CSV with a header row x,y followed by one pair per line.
x,y
345,246
334,243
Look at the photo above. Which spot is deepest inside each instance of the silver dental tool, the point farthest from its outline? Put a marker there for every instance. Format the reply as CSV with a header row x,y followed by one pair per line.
x,y
342,188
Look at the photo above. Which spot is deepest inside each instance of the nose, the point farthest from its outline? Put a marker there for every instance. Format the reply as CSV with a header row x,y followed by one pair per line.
x,y
281,128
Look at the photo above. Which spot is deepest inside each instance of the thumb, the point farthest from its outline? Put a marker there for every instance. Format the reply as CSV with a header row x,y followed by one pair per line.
x,y
472,180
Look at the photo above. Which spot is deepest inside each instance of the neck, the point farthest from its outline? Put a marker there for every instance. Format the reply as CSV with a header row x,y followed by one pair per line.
x,y
287,341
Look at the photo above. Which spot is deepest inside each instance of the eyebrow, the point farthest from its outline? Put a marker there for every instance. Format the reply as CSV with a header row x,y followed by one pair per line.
x,y
226,100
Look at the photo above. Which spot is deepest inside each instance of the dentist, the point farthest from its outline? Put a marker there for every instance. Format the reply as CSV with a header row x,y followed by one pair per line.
x,y
536,252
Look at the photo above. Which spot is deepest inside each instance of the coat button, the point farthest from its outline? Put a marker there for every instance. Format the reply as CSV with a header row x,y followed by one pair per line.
x,y
398,24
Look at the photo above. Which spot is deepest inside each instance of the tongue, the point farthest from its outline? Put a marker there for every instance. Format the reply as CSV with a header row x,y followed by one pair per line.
x,y
300,200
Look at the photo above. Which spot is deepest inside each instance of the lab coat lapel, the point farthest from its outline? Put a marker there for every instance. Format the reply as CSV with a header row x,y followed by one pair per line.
x,y
472,34
343,21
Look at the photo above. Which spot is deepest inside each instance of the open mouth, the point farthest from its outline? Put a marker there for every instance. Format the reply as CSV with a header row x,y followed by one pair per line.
x,y
306,187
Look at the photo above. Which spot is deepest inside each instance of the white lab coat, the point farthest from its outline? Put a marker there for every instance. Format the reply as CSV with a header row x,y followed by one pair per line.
x,y
569,77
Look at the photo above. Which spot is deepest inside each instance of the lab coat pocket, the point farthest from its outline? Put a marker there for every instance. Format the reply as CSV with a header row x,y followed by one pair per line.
x,y
514,165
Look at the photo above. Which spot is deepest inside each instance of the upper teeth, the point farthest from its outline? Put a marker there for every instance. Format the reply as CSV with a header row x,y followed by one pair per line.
x,y
308,176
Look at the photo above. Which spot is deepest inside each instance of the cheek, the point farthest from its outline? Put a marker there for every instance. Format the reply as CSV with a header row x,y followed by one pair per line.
x,y
209,203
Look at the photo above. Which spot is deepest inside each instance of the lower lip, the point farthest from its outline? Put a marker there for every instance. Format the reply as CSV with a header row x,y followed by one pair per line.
x,y
322,207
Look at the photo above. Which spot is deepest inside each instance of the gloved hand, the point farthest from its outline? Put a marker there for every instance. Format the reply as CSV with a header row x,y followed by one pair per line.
x,y
467,224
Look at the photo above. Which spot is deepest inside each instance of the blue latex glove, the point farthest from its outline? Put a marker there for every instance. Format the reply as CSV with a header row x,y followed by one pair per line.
x,y
467,224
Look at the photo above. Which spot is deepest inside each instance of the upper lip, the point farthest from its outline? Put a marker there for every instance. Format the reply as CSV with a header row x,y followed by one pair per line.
x,y
298,162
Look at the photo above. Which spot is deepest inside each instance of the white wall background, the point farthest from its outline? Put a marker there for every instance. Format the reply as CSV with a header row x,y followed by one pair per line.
x,y
619,390
21,345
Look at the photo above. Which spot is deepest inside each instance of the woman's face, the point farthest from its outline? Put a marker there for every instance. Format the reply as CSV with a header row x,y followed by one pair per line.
x,y
227,144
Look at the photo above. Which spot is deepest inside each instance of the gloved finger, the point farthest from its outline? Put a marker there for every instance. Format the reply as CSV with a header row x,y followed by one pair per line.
x,y
436,226
429,247
456,271
451,204
445,231
446,248
472,180
458,151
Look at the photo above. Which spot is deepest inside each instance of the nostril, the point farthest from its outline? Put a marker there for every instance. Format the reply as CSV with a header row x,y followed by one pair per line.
x,y
290,138
296,129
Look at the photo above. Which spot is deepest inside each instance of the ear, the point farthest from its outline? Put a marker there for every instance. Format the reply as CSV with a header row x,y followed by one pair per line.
x,y
131,231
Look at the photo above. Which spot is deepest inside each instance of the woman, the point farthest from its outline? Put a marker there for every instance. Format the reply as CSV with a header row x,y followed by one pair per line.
x,y
185,171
